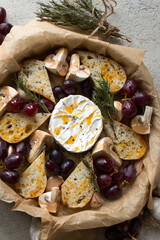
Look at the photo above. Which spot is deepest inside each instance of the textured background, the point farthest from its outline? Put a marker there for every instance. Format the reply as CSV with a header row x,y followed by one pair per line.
x,y
138,19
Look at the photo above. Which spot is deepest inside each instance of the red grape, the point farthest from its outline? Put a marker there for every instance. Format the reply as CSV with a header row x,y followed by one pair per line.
x,y
1,38
113,192
130,87
9,176
16,105
104,181
22,148
66,168
58,92
52,167
30,109
103,164
112,234
14,161
135,226
141,98
2,15
3,148
69,87
56,155
5,28
123,227
48,104
129,109
87,88
129,172
117,177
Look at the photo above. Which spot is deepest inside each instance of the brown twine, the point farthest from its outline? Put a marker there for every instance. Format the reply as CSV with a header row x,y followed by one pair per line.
x,y
108,11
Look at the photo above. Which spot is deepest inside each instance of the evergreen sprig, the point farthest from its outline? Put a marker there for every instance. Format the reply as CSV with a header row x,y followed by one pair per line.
x,y
92,174
81,14
104,100
32,96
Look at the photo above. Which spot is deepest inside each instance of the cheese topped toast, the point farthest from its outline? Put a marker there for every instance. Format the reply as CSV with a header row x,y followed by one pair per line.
x,y
15,127
34,75
78,188
128,144
33,181
108,68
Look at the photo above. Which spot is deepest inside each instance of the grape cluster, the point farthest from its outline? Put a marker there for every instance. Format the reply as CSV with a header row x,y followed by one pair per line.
x,y
137,99
124,231
31,108
13,161
56,165
4,27
111,178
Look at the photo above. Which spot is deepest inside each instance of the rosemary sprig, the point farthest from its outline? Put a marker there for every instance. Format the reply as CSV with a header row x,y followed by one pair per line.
x,y
104,100
32,96
92,174
82,14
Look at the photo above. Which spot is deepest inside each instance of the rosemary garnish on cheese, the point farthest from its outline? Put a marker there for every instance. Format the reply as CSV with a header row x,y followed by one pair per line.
x,y
32,96
92,174
104,100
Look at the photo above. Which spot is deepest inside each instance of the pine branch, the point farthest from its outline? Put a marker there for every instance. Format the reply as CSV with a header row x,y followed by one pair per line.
x,y
82,14
92,174
33,97
104,100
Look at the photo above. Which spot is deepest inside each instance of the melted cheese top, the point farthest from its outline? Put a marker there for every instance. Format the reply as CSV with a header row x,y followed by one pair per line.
x,y
76,123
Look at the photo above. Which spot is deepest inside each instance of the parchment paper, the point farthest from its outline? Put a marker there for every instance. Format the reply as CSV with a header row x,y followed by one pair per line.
x,y
36,39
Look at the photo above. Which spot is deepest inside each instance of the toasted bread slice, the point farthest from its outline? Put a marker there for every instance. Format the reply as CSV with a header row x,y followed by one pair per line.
x,y
128,144
108,68
78,188
35,76
15,127
33,181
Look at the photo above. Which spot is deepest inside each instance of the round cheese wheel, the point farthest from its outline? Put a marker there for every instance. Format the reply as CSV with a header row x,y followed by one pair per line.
x,y
76,123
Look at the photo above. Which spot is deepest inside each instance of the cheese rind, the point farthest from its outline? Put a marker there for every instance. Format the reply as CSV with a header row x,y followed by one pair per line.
x,y
76,123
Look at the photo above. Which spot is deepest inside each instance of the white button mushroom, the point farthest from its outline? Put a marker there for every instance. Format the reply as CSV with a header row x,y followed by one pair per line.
x,y
96,200
57,63
77,72
141,123
39,140
156,208
118,111
50,200
6,95
104,147
54,181
23,95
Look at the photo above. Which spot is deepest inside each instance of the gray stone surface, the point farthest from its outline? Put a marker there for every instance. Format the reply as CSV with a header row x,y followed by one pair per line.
x,y
138,19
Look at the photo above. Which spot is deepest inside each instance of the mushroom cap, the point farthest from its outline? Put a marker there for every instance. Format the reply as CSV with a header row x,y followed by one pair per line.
x,y
54,181
139,126
118,111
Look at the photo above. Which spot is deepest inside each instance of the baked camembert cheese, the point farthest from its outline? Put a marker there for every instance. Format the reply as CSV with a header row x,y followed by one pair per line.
x,y
76,123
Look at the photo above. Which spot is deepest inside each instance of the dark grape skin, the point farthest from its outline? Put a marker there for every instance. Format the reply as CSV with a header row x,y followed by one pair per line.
x,y
103,164
118,177
58,92
30,109
130,87
69,87
48,104
9,176
129,109
1,38
56,155
135,226
112,234
14,161
66,168
52,167
16,104
123,227
129,172
2,15
113,192
141,98
5,28
87,88
3,148
22,148
104,181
